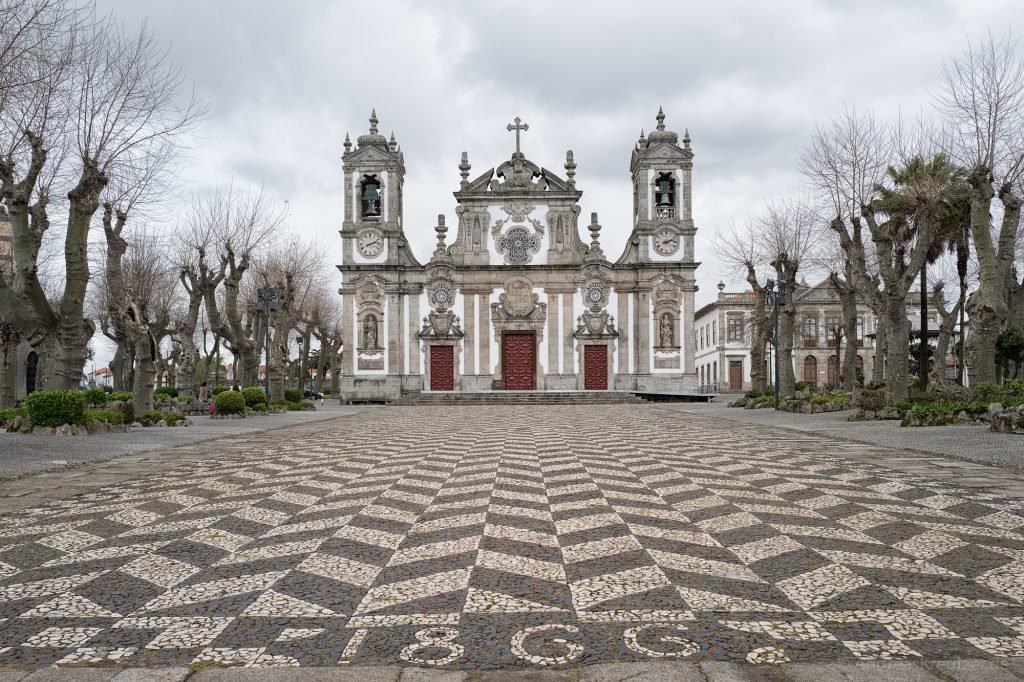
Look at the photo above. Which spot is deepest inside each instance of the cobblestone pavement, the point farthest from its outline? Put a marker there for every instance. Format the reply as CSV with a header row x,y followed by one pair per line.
x,y
516,537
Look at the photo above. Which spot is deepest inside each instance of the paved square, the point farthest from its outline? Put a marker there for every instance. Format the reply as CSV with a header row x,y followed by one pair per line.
x,y
514,536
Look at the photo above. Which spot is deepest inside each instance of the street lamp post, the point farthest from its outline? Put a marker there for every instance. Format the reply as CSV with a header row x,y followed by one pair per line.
x,y
776,297
266,303
302,365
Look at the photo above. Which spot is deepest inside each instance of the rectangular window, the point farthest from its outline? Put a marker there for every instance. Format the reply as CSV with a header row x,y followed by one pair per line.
x,y
714,332
734,329
833,325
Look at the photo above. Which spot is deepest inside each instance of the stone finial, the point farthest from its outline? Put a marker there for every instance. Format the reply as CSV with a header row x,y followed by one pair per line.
x,y
686,138
595,235
661,119
643,139
441,231
464,168
393,143
373,121
348,143
570,168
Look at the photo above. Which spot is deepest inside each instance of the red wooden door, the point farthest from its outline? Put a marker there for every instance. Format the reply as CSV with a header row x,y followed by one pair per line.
x,y
736,374
442,368
595,368
518,361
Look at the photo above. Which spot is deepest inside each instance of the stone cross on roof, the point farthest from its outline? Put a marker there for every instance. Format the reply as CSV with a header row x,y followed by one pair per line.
x,y
517,127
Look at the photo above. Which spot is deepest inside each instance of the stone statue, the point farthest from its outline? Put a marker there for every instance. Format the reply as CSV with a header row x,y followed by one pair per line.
x,y
370,332
666,331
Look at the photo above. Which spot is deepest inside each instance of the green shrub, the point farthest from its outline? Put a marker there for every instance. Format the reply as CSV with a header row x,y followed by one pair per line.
x,y
307,405
927,408
173,417
754,393
218,389
253,396
229,402
280,402
293,395
8,415
53,408
123,396
165,392
94,396
108,415
326,391
830,399
765,399
804,386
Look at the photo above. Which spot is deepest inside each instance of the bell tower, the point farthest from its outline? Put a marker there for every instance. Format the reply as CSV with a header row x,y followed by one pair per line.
x,y
374,175
663,227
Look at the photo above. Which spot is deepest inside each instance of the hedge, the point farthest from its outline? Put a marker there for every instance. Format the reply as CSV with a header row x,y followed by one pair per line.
x,y
123,396
165,392
95,396
229,402
54,408
293,395
218,389
254,396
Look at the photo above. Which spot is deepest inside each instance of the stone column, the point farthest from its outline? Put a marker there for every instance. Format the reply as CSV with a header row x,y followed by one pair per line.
x,y
469,329
642,314
568,324
484,332
690,337
348,343
553,344
414,339
394,334
625,333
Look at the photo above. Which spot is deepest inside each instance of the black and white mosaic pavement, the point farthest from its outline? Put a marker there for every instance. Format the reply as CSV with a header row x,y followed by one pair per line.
x,y
507,536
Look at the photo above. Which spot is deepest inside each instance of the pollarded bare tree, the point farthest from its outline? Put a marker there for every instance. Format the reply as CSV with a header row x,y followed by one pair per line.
x,y
864,169
242,221
740,249
787,232
292,270
105,101
983,103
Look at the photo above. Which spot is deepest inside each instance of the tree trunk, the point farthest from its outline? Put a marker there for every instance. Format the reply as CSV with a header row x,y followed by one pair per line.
x,y
116,368
924,366
986,307
848,299
787,323
897,346
9,339
145,370
760,332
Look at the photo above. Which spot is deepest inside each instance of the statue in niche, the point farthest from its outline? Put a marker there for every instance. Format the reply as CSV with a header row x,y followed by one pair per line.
x,y
370,332
666,334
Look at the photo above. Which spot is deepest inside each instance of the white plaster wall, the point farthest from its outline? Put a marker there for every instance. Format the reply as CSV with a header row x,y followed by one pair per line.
x,y
459,307
496,213
495,350
630,304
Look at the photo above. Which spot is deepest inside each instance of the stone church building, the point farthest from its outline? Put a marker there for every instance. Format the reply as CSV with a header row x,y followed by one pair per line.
x,y
517,300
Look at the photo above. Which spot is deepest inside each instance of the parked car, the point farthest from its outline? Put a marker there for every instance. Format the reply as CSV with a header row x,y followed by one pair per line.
x,y
312,395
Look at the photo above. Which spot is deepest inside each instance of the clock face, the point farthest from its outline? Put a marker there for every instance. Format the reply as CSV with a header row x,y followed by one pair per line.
x,y
666,241
370,243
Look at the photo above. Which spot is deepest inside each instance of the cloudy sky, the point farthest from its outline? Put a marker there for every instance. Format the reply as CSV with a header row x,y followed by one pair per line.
x,y
750,80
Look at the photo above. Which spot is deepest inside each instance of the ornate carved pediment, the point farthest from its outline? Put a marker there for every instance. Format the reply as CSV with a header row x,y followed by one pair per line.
x,y
667,292
369,153
595,325
481,183
517,175
441,325
554,182
519,300
369,290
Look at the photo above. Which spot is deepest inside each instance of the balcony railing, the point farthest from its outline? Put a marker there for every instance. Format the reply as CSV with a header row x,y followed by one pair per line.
x,y
665,213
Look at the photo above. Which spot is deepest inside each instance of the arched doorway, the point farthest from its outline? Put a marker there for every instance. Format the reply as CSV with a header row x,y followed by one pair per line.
x,y
31,366
811,369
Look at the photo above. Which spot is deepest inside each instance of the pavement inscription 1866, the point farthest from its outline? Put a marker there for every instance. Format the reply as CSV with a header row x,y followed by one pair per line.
x,y
505,537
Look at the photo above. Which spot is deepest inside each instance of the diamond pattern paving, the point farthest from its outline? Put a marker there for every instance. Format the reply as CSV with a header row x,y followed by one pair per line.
x,y
515,536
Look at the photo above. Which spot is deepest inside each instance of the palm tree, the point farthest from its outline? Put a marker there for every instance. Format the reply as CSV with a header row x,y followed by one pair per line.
x,y
936,191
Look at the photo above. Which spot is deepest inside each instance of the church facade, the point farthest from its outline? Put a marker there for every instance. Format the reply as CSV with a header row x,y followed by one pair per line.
x,y
516,299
